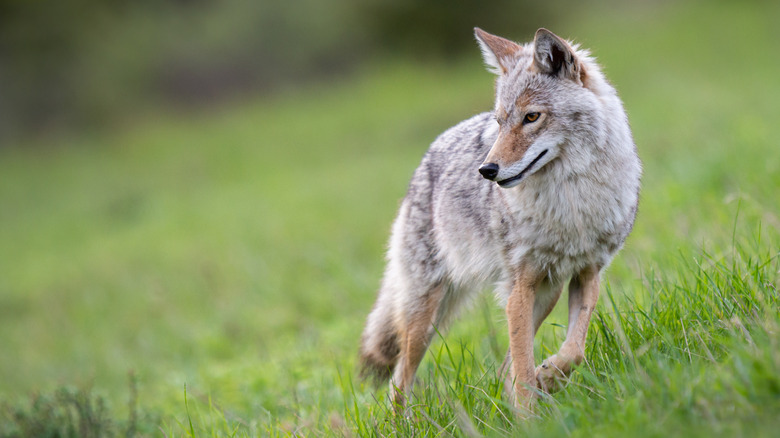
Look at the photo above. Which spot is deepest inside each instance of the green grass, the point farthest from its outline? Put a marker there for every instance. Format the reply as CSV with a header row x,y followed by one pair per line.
x,y
237,254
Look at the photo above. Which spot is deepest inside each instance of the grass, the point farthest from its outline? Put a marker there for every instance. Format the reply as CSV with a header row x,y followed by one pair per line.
x,y
236,254
699,358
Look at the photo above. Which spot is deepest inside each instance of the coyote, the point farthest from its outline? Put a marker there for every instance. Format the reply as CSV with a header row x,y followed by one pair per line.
x,y
541,191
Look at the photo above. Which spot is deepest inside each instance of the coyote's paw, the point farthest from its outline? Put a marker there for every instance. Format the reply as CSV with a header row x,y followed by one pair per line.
x,y
552,374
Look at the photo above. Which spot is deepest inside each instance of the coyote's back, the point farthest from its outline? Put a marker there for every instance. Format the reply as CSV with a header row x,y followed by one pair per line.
x,y
559,149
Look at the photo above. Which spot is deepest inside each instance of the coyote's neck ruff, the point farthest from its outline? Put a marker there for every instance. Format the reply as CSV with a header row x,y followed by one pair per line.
x,y
556,198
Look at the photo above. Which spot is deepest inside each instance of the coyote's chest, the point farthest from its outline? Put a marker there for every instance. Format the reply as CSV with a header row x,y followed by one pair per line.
x,y
563,226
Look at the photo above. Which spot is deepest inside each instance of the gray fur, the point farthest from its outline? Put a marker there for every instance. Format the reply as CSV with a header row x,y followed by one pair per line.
x,y
572,210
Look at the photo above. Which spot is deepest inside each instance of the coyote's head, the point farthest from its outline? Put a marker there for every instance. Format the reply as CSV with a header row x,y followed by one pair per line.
x,y
542,103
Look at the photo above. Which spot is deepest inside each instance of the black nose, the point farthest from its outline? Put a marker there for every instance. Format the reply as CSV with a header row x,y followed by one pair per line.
x,y
489,170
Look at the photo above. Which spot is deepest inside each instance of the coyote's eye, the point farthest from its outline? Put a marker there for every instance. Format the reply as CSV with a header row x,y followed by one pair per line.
x,y
531,117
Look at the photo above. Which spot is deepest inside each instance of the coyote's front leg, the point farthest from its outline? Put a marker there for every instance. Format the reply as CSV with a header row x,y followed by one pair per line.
x,y
583,295
519,312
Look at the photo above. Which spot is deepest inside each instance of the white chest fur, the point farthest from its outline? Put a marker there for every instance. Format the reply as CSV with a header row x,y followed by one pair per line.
x,y
563,222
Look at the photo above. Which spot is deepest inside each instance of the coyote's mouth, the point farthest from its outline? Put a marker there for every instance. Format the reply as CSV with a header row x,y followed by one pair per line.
x,y
519,176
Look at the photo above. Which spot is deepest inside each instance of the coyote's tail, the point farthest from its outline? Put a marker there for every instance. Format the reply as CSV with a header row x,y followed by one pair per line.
x,y
379,348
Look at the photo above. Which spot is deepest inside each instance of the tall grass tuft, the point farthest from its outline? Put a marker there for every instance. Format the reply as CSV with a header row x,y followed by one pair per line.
x,y
694,350
75,412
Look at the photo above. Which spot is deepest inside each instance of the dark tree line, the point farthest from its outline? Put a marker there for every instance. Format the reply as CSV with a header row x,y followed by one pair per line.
x,y
87,62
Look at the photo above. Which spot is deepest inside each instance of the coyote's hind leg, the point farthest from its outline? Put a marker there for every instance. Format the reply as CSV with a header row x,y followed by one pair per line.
x,y
415,337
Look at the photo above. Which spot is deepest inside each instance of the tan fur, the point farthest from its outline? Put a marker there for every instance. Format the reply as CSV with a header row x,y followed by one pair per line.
x,y
519,312
584,78
526,98
508,147
513,142
571,66
583,295
521,309
414,343
560,199
541,309
501,47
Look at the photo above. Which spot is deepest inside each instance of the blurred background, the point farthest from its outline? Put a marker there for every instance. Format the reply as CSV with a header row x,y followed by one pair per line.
x,y
200,192
88,63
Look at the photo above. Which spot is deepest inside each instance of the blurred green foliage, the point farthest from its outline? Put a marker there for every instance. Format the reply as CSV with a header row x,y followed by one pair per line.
x,y
92,62
238,251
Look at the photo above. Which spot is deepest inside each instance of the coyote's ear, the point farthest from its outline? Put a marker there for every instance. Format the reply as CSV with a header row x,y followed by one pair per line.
x,y
498,52
554,56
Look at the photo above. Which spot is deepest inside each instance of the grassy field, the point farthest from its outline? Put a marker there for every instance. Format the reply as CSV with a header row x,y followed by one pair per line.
x,y
209,275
